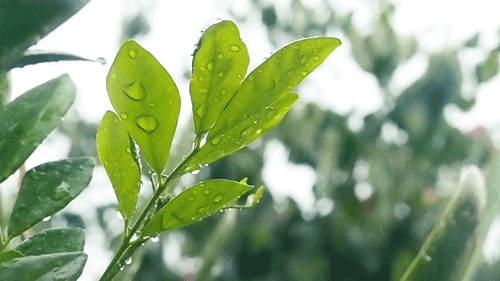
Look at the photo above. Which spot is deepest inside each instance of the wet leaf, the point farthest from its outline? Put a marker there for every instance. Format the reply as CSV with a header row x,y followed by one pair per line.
x,y
53,241
60,266
117,153
147,100
9,255
31,57
219,66
46,189
196,203
27,120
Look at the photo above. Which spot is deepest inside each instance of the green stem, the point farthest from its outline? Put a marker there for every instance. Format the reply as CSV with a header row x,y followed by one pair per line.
x,y
109,273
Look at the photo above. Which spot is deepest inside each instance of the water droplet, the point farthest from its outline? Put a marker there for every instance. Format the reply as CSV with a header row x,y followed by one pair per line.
x,y
296,47
191,198
239,76
124,115
201,78
151,104
220,74
223,92
202,68
155,239
235,48
202,209
148,123
170,102
195,191
207,191
119,215
132,53
47,218
134,90
304,73
304,59
201,110
220,56
229,137
105,163
427,258
203,90
195,172
316,58
218,198
210,66
128,261
183,201
245,133
128,150
216,141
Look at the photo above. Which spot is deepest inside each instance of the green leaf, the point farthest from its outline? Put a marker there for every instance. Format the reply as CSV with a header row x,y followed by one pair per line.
x,y
27,120
241,134
53,241
32,57
60,266
147,100
46,189
196,203
219,66
264,91
117,153
9,255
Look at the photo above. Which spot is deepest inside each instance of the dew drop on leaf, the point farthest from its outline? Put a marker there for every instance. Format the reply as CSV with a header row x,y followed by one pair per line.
x,y
123,115
210,66
195,172
132,53
191,198
218,198
202,209
304,73
220,74
220,56
128,261
47,218
151,104
304,59
148,123
216,141
207,191
200,111
155,239
134,90
235,48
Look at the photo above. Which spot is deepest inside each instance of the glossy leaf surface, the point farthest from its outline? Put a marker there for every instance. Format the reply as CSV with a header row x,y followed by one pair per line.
x,y
61,266
48,188
9,255
219,66
147,100
117,153
196,203
53,241
27,120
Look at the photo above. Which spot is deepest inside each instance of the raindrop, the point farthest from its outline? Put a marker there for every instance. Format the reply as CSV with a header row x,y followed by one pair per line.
x,y
218,198
148,123
296,47
170,102
216,141
151,104
202,209
202,68
229,137
304,73
316,58
427,258
207,191
304,59
195,172
134,90
200,111
124,116
239,76
191,198
201,78
210,66
119,215
155,239
235,48
220,56
128,261
203,90
220,74
245,132
47,218
195,191
132,53
223,92
105,163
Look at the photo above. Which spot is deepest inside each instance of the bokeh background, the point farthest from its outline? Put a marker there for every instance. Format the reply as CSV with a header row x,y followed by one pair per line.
x,y
400,116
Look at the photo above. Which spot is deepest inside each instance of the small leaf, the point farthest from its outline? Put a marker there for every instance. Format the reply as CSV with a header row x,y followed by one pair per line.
x,y
219,66
46,189
194,204
116,151
147,100
31,57
60,266
9,255
53,241
27,120
240,135
254,199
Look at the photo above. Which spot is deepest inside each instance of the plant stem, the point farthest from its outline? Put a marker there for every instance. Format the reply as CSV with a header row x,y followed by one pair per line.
x,y
109,274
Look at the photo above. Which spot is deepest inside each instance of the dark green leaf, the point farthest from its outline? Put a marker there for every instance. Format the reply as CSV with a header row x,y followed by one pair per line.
x,y
27,120
54,241
10,254
196,203
61,266
37,56
116,151
48,188
147,100
219,66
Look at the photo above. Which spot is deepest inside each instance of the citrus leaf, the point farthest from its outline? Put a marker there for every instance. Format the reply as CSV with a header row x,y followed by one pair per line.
x,y
9,255
27,120
53,241
46,189
219,66
195,203
147,100
116,151
240,135
60,266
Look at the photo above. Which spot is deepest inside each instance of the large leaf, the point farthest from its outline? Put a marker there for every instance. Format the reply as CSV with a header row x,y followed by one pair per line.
x,y
196,203
25,22
53,241
9,255
264,91
117,153
219,66
48,188
146,99
27,120
60,266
